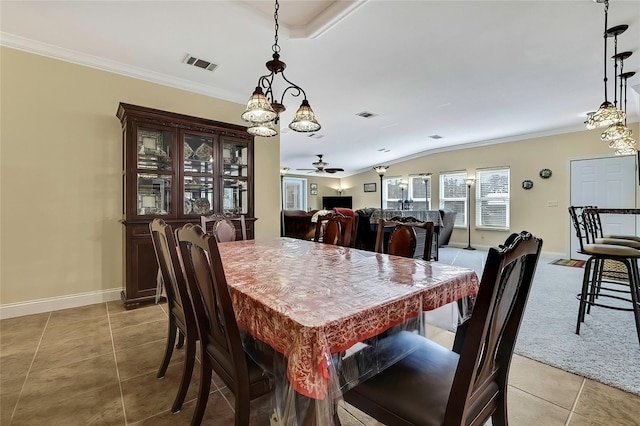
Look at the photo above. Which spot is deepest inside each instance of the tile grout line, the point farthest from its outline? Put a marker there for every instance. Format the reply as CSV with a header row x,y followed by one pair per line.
x,y
115,358
15,407
575,402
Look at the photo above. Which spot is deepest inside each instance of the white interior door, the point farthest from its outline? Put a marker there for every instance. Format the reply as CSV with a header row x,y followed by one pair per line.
x,y
604,182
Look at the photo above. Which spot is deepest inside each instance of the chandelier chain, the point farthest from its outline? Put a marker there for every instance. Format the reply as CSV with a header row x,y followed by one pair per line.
x,y
606,15
276,47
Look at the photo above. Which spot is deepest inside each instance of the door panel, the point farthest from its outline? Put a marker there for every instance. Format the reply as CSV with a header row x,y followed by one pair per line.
x,y
604,182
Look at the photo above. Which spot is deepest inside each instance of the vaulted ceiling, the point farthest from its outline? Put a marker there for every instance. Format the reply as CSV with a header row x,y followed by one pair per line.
x,y
471,72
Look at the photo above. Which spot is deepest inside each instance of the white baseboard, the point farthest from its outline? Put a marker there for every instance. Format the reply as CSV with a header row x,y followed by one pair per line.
x,y
38,306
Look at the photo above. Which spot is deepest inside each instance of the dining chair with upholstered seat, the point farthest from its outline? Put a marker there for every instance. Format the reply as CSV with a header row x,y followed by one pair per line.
x,y
437,386
334,228
221,348
222,227
403,239
181,317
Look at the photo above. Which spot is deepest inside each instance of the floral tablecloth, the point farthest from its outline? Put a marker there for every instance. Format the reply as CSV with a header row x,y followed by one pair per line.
x,y
309,300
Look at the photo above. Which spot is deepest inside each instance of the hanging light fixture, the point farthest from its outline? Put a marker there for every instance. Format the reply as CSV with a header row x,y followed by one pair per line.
x,y
617,130
263,109
625,145
608,113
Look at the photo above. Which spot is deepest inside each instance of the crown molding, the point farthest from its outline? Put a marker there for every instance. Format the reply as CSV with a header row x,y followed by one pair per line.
x,y
39,48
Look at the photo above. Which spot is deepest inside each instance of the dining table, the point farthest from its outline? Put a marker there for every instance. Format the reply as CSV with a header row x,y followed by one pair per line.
x,y
321,308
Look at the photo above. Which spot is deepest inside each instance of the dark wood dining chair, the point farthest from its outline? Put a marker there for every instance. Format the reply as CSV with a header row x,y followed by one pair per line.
x,y
334,228
181,317
403,239
221,347
222,227
437,386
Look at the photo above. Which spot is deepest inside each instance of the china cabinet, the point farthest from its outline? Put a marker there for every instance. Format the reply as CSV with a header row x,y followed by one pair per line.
x,y
179,168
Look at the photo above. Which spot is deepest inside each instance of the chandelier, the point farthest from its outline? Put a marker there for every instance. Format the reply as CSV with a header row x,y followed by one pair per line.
x,y
608,113
263,109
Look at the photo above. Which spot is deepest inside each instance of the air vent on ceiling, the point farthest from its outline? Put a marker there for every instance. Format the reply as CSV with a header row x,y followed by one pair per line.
x,y
435,137
315,136
200,63
366,114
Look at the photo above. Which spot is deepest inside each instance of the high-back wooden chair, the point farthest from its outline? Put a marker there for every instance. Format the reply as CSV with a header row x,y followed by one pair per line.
x,y
437,386
221,347
181,317
222,227
403,238
334,228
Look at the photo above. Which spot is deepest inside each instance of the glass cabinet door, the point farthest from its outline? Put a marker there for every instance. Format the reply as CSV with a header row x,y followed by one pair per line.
x,y
154,194
235,196
235,157
199,158
198,195
154,149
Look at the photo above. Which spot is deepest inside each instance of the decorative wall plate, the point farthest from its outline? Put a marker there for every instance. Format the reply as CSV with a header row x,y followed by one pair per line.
x,y
188,151
527,184
201,206
188,206
204,152
545,173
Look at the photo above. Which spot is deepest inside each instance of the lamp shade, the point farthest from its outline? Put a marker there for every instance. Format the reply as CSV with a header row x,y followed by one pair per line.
x,y
259,109
381,170
615,132
267,129
304,120
605,116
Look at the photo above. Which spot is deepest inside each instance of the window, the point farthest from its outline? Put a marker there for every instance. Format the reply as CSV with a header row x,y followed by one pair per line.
x,y
295,193
420,192
391,192
492,198
453,195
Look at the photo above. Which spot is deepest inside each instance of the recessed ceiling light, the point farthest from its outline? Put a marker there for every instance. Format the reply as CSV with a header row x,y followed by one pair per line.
x,y
315,136
382,149
366,114
435,137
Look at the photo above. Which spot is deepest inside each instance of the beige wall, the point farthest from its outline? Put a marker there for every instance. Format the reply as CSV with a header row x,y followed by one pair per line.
x,y
529,209
61,173
326,186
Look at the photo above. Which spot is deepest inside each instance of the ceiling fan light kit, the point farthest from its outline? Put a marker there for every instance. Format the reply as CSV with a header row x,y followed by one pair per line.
x,y
263,109
321,166
609,115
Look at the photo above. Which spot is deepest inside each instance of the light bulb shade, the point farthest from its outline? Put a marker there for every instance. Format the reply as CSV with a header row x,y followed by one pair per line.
x,y
284,171
627,150
265,130
259,109
381,170
469,181
615,132
605,116
304,120
623,143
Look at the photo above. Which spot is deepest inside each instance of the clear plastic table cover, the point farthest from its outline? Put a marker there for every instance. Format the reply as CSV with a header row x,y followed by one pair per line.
x,y
312,314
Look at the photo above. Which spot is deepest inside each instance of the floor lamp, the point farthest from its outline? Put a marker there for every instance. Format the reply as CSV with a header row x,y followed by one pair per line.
x,y
425,179
469,182
381,170
283,171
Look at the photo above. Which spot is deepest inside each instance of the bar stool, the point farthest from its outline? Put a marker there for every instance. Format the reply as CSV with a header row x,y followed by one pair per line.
x,y
595,287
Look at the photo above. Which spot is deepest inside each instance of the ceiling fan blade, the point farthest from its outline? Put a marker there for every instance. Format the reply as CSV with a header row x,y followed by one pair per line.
x,y
305,169
333,170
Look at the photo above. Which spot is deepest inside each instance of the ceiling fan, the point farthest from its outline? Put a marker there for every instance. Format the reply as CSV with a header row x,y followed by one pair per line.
x,y
321,166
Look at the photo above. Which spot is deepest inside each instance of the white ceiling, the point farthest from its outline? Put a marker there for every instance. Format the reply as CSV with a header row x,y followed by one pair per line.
x,y
474,72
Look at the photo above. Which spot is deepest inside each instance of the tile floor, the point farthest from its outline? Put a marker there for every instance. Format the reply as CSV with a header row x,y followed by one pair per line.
x,y
96,365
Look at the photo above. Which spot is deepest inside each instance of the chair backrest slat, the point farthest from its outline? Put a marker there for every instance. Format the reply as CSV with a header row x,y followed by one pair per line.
x,y
403,239
334,228
222,227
